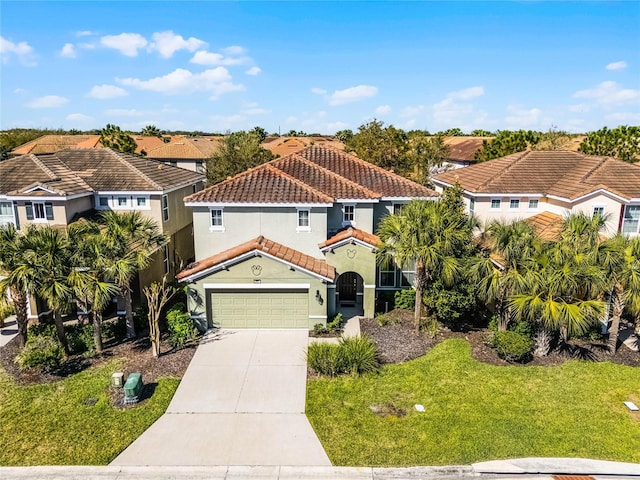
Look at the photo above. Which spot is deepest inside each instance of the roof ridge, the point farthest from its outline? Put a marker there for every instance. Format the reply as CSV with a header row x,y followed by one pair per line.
x,y
46,169
298,182
125,161
72,173
334,174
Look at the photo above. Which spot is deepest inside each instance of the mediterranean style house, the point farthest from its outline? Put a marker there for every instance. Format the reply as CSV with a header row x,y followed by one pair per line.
x,y
546,186
56,189
292,242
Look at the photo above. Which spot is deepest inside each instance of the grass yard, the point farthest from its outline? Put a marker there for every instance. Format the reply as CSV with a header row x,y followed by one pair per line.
x,y
476,412
56,423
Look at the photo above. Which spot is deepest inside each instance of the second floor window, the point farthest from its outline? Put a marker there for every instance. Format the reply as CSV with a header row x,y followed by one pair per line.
x,y
533,203
349,214
598,210
514,203
165,207
495,204
217,221
304,220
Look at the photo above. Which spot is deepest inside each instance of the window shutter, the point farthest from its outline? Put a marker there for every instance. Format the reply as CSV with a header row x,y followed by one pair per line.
x,y
48,208
29,207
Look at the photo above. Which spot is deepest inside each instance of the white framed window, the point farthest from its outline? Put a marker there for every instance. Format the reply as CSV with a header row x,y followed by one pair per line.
x,y
199,167
495,204
472,205
142,202
397,208
348,214
533,203
631,220
217,220
39,211
103,202
386,278
514,204
165,207
166,261
6,213
304,220
122,202
598,210
407,278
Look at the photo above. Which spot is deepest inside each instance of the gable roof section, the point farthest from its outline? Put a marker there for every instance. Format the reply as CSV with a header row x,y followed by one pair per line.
x,y
349,235
259,245
53,143
182,147
547,224
317,174
464,148
563,174
83,171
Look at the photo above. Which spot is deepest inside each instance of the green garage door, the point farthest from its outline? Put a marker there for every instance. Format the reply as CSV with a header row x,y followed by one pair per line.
x,y
260,309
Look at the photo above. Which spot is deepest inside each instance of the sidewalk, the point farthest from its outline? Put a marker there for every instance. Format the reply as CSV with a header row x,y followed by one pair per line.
x,y
9,330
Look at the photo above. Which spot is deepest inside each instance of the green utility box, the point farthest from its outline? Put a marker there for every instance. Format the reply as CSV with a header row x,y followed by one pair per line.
x,y
133,387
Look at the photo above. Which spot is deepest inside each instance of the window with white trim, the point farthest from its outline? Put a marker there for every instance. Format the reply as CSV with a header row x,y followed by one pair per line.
x,y
407,279
514,204
533,203
472,205
6,213
166,261
598,210
103,202
39,211
199,166
142,202
631,219
348,214
495,204
217,219
304,220
123,202
387,276
165,207
397,208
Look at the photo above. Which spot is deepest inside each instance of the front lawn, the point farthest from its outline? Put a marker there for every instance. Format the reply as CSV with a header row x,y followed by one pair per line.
x,y
72,421
476,412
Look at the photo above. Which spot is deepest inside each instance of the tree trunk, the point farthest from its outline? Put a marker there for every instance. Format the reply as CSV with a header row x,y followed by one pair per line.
x,y
62,337
564,333
618,306
97,330
504,314
128,305
417,314
20,300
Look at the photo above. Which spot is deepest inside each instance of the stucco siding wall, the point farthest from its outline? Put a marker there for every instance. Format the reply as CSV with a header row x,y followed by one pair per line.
x,y
611,206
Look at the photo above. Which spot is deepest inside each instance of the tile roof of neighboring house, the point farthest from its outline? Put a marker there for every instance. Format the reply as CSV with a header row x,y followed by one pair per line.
x,y
368,238
287,145
547,224
52,143
71,172
146,143
266,246
559,173
183,147
317,174
464,148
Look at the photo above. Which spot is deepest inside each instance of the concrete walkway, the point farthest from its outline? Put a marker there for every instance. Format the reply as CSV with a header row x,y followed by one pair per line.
x,y
9,330
240,402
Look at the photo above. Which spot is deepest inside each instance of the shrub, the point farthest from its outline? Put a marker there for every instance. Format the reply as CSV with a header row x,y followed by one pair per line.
x,y
512,346
525,328
42,352
430,326
359,354
451,306
335,325
320,329
405,299
6,309
493,323
41,330
80,338
592,334
390,318
326,358
181,328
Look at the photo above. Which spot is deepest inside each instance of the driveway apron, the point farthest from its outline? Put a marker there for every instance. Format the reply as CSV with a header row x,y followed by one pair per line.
x,y
240,402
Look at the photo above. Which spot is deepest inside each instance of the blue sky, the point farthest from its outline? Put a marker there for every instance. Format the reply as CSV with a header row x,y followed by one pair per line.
x,y
320,67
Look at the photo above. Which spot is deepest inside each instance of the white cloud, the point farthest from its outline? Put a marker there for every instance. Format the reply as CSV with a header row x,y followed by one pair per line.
x,y
353,94
126,43
87,46
234,50
318,91
208,58
291,120
518,117
333,127
78,117
48,101
216,80
85,33
23,51
253,71
68,51
412,111
466,93
616,66
624,118
105,92
19,91
123,112
383,110
456,110
609,94
167,43
229,122
256,111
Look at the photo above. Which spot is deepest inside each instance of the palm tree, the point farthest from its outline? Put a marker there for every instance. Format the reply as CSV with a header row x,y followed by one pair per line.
x,y
19,276
51,248
429,236
151,131
501,273
133,239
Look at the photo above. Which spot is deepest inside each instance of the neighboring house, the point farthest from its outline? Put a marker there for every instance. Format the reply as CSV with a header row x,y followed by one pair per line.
x,y
283,146
190,153
55,189
462,151
56,143
291,242
526,184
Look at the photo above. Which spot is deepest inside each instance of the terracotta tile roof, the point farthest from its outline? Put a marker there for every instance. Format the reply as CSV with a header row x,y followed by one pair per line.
x,y
262,244
52,143
93,142
351,232
547,225
78,171
464,148
183,147
282,146
561,173
146,143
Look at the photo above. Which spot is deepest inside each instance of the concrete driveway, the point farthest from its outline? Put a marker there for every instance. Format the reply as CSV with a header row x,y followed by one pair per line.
x,y
240,402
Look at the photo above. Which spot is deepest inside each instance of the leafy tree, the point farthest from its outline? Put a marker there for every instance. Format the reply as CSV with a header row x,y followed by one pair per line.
x,y
452,132
112,137
238,152
344,135
260,132
481,133
425,152
382,146
132,239
505,143
10,139
427,236
150,131
553,139
622,142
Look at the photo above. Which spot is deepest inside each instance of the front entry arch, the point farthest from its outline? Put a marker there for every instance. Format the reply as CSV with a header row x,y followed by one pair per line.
x,y
350,294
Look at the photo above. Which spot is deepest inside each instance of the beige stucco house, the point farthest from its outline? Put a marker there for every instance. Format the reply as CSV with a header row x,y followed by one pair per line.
x,y
553,183
58,188
292,242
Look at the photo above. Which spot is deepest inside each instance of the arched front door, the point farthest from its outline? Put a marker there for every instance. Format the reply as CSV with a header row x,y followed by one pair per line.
x,y
350,290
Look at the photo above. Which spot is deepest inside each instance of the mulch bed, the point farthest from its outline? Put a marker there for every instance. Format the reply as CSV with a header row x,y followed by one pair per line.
x,y
136,354
398,343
